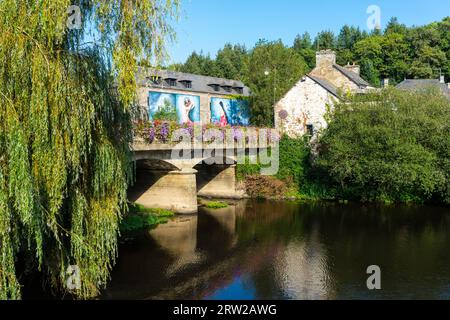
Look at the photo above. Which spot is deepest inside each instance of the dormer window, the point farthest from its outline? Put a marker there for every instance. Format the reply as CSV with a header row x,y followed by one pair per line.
x,y
215,86
186,83
171,82
156,80
227,88
239,90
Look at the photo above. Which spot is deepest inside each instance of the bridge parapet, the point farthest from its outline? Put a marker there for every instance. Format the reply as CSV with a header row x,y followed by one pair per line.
x,y
168,135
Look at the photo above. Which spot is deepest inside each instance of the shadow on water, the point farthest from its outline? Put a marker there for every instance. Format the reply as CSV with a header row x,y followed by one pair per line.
x,y
279,250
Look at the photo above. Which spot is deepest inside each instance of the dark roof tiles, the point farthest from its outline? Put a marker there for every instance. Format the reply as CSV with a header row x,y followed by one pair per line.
x,y
352,76
200,83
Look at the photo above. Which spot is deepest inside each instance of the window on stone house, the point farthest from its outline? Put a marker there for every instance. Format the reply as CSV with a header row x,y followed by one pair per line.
x,y
310,130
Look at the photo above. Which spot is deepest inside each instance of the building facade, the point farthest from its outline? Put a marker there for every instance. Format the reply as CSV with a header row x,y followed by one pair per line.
x,y
189,98
303,109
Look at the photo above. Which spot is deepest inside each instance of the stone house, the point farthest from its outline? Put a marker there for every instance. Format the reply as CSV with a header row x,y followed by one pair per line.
x,y
424,84
302,110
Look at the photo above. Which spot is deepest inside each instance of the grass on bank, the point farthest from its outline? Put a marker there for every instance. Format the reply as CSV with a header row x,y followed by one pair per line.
x,y
140,218
216,205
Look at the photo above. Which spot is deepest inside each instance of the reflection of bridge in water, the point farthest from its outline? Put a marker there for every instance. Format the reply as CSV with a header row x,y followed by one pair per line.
x,y
193,256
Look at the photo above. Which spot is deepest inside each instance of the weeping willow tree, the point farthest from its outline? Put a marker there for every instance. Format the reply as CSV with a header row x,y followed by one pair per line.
x,y
65,107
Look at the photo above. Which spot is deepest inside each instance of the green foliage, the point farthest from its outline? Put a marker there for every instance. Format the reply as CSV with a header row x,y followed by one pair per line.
x,y
141,218
294,158
247,169
292,179
393,147
216,205
65,133
198,63
284,67
325,40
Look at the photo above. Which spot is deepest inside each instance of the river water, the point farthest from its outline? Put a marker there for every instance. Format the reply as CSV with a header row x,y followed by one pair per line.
x,y
282,250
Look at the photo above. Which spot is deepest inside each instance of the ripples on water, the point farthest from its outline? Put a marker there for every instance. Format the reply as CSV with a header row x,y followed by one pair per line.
x,y
276,250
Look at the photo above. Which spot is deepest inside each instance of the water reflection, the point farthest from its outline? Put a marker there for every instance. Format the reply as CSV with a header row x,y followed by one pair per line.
x,y
274,250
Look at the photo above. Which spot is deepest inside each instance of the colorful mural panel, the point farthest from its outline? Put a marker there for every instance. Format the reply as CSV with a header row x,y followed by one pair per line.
x,y
174,107
234,112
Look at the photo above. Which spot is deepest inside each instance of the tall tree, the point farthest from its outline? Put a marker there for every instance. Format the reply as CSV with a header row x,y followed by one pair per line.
x,y
302,42
198,63
65,133
325,40
272,70
230,62
303,46
348,36
394,26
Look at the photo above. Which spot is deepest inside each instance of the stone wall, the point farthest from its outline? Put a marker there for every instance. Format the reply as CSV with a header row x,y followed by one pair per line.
x,y
305,104
335,77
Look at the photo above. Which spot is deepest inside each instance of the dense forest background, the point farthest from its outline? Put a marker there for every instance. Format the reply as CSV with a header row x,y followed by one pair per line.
x,y
271,68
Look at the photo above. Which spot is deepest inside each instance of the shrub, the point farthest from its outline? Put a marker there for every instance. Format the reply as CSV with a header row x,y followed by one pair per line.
x,y
294,159
258,186
391,146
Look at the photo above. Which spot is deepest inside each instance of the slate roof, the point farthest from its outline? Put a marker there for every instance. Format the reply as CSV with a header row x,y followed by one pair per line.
x,y
352,76
325,84
423,84
199,83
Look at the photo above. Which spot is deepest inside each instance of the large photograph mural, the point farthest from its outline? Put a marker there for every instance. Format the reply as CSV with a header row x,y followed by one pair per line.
x,y
174,107
234,112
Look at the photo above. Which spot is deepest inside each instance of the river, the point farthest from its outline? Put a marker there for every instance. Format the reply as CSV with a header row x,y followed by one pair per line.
x,y
282,250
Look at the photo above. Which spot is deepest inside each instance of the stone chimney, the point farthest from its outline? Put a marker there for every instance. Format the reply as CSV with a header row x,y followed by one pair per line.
x,y
353,68
442,79
325,58
385,83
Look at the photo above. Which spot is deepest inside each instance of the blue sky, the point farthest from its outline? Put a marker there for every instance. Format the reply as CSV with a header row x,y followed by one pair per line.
x,y
208,24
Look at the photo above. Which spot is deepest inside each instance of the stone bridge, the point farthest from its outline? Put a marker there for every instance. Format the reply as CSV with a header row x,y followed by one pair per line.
x,y
172,177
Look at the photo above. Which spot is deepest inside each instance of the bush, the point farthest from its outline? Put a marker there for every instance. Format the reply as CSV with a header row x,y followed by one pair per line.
x,y
390,146
294,160
294,164
258,186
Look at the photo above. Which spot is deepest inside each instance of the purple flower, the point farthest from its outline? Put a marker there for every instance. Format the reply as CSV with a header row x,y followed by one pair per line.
x,y
237,134
151,134
190,130
164,133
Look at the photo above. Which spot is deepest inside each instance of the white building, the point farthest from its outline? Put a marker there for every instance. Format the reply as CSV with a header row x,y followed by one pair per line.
x,y
302,110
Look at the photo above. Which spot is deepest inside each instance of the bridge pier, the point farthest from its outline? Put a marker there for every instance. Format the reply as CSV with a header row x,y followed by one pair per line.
x,y
218,182
173,190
